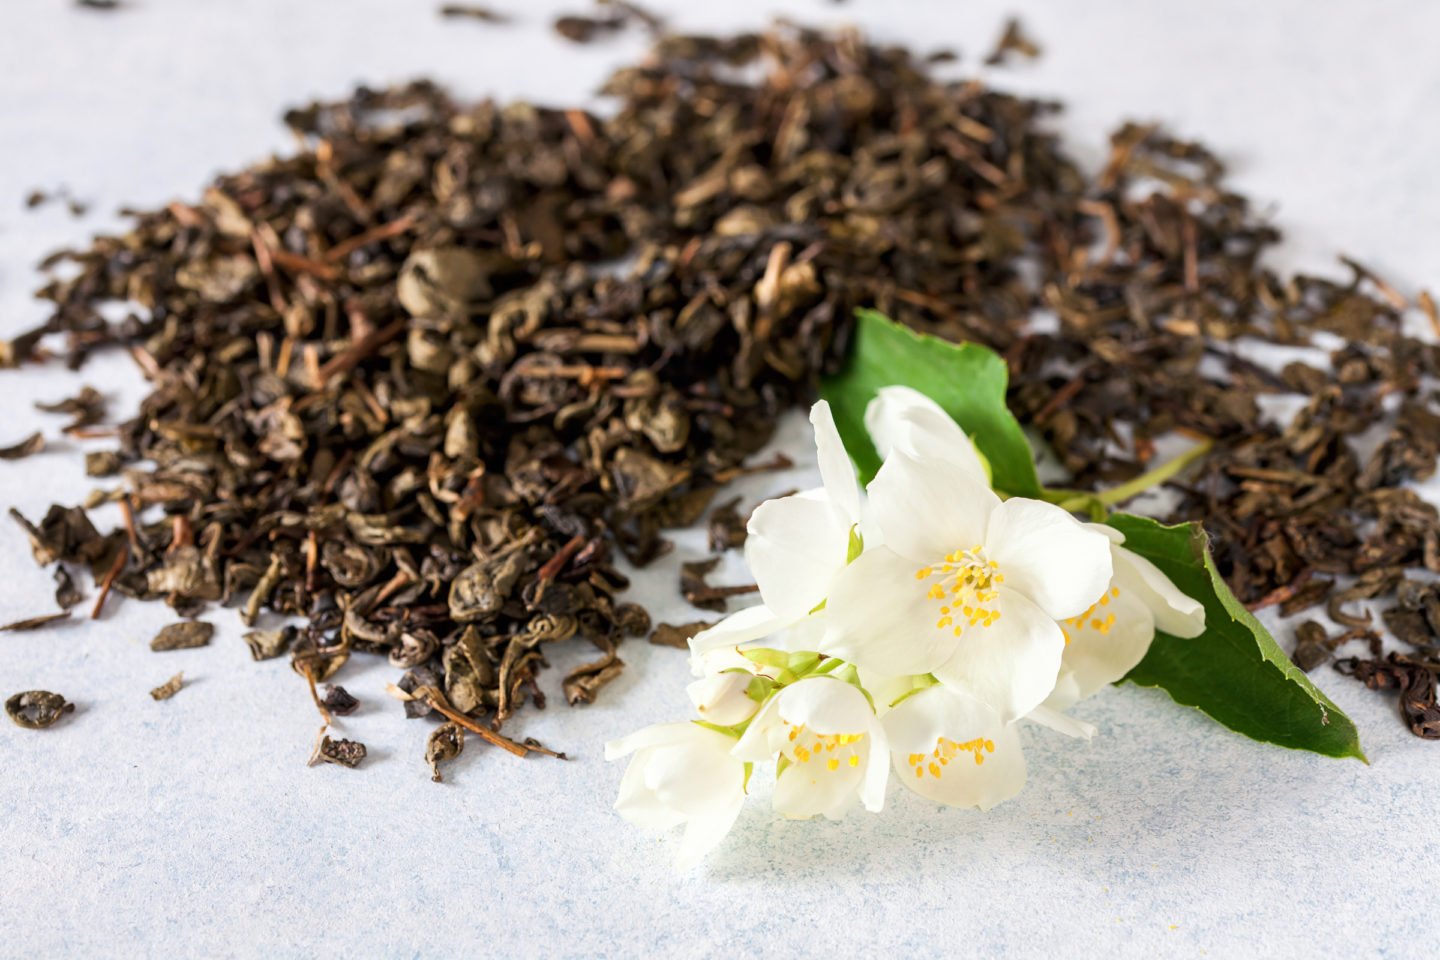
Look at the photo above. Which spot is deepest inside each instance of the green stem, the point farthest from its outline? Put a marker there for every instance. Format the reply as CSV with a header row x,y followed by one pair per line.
x,y
1153,478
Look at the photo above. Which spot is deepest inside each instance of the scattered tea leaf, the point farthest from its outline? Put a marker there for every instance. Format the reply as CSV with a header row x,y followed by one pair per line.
x,y
338,701
269,644
67,595
169,688
1012,40
37,709
183,636
30,446
678,634
445,743
472,11
347,753
35,623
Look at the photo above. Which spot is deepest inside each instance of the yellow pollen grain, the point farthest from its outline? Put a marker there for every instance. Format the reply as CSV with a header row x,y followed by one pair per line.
x,y
934,769
854,760
832,764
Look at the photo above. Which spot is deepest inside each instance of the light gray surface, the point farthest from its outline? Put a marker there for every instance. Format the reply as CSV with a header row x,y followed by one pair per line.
x,y
192,826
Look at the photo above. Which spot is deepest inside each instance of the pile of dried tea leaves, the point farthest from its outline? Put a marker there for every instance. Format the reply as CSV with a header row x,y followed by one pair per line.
x,y
418,382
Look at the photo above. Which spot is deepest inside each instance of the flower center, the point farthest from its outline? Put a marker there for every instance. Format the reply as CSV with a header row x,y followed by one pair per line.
x,y
1096,618
945,750
833,748
964,586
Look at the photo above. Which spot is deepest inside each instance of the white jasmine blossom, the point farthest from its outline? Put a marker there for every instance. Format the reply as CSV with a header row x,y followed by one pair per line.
x,y
1105,642
834,750
795,546
681,774
966,587
953,748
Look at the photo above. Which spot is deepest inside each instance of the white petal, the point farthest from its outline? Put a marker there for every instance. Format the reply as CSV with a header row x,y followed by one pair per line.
x,y
756,744
807,790
1101,651
638,804
742,626
881,617
651,736
981,774
703,834
1175,613
825,705
1061,722
924,509
1012,664
877,769
1047,555
722,699
836,470
698,776
902,418
795,547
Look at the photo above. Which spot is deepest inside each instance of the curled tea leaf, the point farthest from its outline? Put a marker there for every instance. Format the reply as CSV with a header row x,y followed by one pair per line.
x,y
347,753
446,742
37,709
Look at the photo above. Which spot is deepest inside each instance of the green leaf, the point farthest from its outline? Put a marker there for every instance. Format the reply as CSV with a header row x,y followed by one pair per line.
x,y
966,379
1234,671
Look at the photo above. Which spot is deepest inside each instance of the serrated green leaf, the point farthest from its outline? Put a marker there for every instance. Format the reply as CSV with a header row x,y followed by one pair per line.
x,y
1234,671
966,379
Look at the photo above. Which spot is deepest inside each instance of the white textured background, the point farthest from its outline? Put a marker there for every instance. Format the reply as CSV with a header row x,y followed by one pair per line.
x,y
192,827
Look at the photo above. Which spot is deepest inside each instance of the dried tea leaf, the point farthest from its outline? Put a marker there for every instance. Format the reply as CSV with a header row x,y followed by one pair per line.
x,y
338,701
1416,683
269,644
445,743
31,445
87,407
37,709
169,688
471,11
67,594
35,623
583,683
185,635
347,753
727,528
102,463
678,634
1012,40
701,594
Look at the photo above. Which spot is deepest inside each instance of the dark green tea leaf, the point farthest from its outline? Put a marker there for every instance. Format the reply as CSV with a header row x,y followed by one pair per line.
x,y
966,379
1234,671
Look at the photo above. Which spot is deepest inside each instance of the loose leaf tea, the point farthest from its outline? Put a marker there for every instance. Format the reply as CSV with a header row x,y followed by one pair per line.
x,y
37,709
401,390
338,701
35,623
446,742
30,446
347,753
169,688
183,636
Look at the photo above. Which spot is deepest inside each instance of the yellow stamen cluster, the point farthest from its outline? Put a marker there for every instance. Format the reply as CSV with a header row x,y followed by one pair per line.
x,y
1096,618
806,746
945,750
965,585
